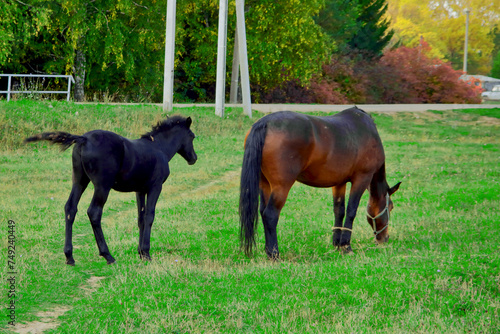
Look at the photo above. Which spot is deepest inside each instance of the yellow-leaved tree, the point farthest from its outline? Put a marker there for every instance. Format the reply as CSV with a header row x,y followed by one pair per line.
x,y
442,23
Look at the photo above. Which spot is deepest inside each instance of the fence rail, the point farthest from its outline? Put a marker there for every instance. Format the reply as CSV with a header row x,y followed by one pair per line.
x,y
9,91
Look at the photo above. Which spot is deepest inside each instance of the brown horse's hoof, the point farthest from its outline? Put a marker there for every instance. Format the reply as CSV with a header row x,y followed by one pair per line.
x,y
274,259
146,258
346,250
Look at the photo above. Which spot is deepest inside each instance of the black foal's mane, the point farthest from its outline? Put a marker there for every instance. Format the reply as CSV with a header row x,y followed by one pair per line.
x,y
163,126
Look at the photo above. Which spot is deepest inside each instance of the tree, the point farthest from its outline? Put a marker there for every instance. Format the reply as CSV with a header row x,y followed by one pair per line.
x,y
495,69
373,33
410,75
280,47
284,42
338,19
442,24
16,33
106,45
112,44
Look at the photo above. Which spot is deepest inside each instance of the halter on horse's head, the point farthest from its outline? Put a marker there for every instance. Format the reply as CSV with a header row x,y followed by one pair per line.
x,y
380,221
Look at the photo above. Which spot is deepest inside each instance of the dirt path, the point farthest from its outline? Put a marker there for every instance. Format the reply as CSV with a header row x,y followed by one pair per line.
x,y
49,319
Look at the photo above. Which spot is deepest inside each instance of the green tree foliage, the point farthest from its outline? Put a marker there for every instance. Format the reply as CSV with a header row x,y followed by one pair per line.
x,y
292,46
442,25
359,25
118,45
16,33
495,69
284,40
112,45
338,19
373,33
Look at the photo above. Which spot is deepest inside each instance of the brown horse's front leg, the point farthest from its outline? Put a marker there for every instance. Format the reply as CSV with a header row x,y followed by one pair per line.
x,y
338,212
357,190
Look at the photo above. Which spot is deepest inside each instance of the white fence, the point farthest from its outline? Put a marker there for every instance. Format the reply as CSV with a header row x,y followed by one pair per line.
x,y
9,90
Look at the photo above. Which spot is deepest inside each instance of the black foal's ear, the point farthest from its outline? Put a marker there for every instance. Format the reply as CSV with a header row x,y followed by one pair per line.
x,y
394,189
189,121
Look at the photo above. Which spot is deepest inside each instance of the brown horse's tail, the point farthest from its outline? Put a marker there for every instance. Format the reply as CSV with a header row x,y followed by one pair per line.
x,y
249,186
62,138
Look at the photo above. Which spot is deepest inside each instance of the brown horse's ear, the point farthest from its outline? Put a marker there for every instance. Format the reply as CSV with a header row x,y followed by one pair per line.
x,y
394,189
189,121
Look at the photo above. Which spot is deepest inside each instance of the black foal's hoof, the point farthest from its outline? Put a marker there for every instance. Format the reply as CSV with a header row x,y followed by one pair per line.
x,y
70,263
109,259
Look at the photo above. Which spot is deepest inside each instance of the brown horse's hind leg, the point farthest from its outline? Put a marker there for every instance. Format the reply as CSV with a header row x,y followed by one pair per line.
x,y
338,212
270,216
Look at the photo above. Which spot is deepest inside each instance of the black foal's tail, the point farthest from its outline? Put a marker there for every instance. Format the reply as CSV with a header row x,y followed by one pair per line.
x,y
249,186
62,138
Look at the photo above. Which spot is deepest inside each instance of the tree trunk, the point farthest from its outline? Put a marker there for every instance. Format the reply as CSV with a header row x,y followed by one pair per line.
x,y
79,71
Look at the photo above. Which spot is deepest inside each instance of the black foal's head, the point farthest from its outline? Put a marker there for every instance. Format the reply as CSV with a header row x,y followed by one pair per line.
x,y
186,149
176,130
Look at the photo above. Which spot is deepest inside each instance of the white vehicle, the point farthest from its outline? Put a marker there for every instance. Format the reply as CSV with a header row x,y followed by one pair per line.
x,y
494,94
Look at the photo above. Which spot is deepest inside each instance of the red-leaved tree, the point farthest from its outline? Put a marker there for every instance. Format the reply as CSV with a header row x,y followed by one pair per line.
x,y
402,75
409,75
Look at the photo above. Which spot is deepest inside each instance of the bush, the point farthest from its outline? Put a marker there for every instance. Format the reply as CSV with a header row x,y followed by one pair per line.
x,y
408,75
402,75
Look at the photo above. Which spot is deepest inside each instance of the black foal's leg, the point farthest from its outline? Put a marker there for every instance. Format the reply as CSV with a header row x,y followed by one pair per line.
x,y
144,242
95,213
141,213
70,210
338,212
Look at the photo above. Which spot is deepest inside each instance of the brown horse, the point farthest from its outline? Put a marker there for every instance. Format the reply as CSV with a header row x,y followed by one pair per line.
x,y
330,151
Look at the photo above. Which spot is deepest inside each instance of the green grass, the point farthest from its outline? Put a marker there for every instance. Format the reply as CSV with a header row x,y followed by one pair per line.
x,y
438,273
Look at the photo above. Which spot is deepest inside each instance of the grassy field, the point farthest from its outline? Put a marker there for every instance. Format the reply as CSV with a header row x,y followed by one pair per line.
x,y
439,272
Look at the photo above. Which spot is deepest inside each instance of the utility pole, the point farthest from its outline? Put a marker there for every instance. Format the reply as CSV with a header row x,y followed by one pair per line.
x,y
168,75
220,84
466,46
243,56
235,72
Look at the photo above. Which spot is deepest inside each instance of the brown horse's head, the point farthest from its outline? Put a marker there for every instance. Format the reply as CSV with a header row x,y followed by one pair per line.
x,y
378,213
